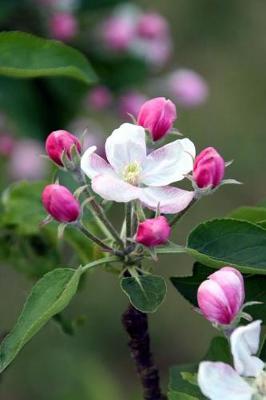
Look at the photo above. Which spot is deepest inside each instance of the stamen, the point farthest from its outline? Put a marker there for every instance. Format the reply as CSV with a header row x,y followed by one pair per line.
x,y
132,172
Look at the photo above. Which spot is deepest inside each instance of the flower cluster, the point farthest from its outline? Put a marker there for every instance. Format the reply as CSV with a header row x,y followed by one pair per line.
x,y
133,175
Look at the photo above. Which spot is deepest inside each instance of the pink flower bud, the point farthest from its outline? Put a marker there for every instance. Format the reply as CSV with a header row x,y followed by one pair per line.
x,y
208,170
63,26
152,25
153,232
221,296
60,203
130,103
99,98
188,88
58,142
157,115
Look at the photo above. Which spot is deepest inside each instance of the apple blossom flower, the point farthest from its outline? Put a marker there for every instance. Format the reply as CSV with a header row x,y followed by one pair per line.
x,y
157,116
153,231
99,98
130,104
63,26
220,381
25,161
58,142
208,170
152,25
188,88
221,296
131,174
60,203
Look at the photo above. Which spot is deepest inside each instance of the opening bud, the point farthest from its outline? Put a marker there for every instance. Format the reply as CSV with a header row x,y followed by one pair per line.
x,y
208,170
153,232
157,116
221,296
60,142
60,203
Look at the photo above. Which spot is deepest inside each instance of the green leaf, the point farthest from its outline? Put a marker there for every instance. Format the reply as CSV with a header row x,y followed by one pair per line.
x,y
146,292
180,383
227,241
23,55
251,214
219,350
48,297
97,4
255,289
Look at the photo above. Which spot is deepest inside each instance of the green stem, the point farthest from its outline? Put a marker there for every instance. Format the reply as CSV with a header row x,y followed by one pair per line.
x,y
178,217
97,209
105,260
128,222
94,238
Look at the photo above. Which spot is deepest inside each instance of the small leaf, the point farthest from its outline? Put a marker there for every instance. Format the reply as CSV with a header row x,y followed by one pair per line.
x,y
147,294
229,242
179,387
38,57
48,297
219,350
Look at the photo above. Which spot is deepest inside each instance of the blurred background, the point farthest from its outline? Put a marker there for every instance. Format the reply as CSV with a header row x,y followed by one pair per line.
x,y
206,55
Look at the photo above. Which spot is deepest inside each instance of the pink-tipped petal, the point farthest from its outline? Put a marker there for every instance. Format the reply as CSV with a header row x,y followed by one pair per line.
x,y
169,163
126,145
170,199
93,165
114,189
244,344
219,381
231,282
213,303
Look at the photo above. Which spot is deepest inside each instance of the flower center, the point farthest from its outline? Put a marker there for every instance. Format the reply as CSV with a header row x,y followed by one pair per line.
x,y
260,383
132,172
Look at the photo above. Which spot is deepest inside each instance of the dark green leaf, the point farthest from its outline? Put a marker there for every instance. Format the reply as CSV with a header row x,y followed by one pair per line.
x,y
180,383
251,214
96,4
219,350
48,297
145,293
227,241
23,55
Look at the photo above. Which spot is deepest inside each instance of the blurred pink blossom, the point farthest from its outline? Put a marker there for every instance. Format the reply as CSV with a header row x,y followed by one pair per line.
x,y
130,103
26,161
152,25
63,26
188,88
7,143
99,98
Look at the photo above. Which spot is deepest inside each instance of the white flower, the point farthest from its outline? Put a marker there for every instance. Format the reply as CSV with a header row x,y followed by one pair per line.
x,y
219,381
132,174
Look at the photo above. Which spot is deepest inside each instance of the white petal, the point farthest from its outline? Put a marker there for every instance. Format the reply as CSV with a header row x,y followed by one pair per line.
x,y
244,344
93,165
113,188
172,200
219,381
169,163
125,145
